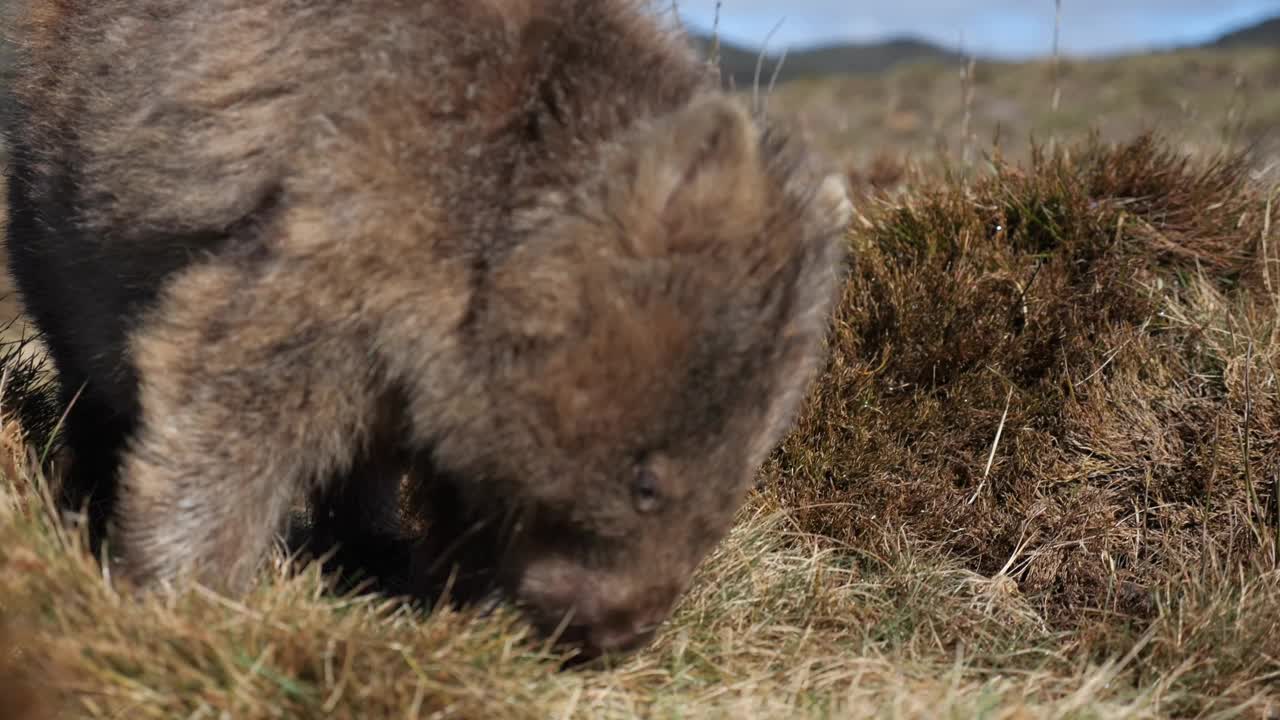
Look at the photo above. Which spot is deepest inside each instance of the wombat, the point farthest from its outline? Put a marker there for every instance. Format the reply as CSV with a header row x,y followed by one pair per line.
x,y
281,249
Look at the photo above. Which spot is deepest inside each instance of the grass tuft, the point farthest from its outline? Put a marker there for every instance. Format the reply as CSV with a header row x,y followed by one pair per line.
x,y
1101,313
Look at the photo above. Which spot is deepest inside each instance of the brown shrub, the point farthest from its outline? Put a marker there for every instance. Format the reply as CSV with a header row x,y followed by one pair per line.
x,y
1114,299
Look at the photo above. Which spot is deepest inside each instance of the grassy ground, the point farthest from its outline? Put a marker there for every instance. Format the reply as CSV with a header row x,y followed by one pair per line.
x,y
1202,100
1037,480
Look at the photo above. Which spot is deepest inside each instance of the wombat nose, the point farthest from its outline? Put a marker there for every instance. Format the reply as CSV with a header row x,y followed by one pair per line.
x,y
605,613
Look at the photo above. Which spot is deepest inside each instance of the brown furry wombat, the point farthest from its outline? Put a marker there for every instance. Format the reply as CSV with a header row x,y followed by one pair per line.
x,y
524,248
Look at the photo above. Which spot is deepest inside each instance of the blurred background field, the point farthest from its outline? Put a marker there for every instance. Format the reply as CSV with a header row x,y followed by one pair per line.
x,y
909,101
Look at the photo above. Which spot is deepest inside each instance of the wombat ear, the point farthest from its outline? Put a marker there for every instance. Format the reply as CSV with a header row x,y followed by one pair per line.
x,y
799,352
700,169
812,293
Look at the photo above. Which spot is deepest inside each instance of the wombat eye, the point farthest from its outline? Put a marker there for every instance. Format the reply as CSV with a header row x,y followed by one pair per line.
x,y
644,491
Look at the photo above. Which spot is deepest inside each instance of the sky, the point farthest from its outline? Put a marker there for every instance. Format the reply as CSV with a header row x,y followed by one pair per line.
x,y
999,28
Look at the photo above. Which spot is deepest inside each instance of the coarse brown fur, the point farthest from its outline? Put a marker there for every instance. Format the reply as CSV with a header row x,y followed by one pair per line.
x,y
521,248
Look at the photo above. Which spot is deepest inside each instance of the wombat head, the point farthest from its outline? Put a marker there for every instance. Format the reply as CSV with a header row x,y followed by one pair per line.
x,y
652,338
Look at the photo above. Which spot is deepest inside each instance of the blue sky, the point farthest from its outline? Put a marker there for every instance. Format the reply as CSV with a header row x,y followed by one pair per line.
x,y
1004,28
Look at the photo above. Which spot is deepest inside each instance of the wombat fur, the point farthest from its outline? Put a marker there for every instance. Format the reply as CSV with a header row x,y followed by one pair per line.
x,y
523,252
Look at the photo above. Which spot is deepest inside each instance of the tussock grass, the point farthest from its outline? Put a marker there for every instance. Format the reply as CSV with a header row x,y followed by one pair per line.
x,y
1064,375
1037,480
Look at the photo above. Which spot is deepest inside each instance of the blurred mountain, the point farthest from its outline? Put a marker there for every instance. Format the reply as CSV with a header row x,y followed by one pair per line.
x,y
738,63
1263,34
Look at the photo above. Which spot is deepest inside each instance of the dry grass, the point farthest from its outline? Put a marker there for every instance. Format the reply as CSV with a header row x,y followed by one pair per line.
x,y
1037,480
922,113
1065,376
776,627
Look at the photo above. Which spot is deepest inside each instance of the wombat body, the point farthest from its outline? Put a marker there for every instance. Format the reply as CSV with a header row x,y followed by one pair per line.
x,y
522,250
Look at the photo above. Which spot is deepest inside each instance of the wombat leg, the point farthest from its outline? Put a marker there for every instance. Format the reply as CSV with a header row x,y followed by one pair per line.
x,y
205,488
242,411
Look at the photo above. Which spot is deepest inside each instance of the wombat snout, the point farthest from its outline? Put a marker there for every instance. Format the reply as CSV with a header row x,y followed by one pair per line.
x,y
597,612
